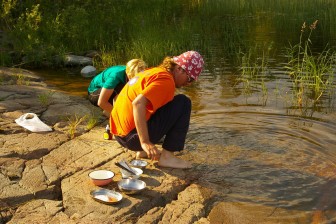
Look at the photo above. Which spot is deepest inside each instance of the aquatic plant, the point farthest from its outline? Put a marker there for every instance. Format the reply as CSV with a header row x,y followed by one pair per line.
x,y
253,72
311,74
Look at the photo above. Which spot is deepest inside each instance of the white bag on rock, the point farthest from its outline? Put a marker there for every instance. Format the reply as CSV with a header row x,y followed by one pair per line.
x,y
31,122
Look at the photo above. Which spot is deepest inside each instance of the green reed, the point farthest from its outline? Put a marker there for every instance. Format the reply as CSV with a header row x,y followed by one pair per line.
x,y
311,75
254,71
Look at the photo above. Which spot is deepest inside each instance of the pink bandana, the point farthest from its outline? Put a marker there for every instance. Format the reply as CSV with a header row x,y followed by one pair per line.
x,y
192,62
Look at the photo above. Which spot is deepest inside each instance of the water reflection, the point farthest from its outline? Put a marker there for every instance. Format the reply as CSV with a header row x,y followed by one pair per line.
x,y
67,80
264,157
268,154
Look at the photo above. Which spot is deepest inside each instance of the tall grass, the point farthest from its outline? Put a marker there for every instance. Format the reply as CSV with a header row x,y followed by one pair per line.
x,y
254,71
311,74
73,123
121,30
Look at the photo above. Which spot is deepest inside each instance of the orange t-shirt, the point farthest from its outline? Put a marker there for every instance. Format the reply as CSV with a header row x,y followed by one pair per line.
x,y
156,84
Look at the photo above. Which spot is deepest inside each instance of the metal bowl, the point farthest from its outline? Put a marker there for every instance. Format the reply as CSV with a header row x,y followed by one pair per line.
x,y
139,163
126,174
106,196
131,186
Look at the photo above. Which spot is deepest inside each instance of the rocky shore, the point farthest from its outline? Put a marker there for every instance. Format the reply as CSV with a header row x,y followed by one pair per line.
x,y
44,176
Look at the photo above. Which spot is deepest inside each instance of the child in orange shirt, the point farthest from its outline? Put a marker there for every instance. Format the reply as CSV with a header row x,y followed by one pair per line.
x,y
147,109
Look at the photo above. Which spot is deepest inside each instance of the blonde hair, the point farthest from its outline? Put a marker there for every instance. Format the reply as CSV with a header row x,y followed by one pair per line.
x,y
135,66
168,63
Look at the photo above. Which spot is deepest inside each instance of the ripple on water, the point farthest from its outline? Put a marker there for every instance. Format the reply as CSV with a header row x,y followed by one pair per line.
x,y
267,158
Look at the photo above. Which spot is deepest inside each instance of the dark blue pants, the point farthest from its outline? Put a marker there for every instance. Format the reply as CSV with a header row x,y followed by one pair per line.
x,y
170,121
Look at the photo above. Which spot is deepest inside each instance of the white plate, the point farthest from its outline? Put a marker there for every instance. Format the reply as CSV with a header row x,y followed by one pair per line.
x,y
106,196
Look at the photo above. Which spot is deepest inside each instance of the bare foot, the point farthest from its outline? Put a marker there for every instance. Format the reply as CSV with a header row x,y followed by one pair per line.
x,y
141,154
168,159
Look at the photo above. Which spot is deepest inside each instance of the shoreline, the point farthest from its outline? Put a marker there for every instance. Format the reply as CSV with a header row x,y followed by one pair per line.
x,y
45,175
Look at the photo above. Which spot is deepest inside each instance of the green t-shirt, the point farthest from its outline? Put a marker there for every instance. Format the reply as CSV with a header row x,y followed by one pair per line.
x,y
109,78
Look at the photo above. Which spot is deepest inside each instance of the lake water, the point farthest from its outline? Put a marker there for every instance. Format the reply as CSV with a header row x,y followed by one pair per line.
x,y
259,149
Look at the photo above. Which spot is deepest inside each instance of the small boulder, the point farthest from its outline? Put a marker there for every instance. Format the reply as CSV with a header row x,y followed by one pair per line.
x,y
74,60
88,71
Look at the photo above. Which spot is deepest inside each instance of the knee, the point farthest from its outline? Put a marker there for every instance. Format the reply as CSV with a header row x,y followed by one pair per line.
x,y
183,101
